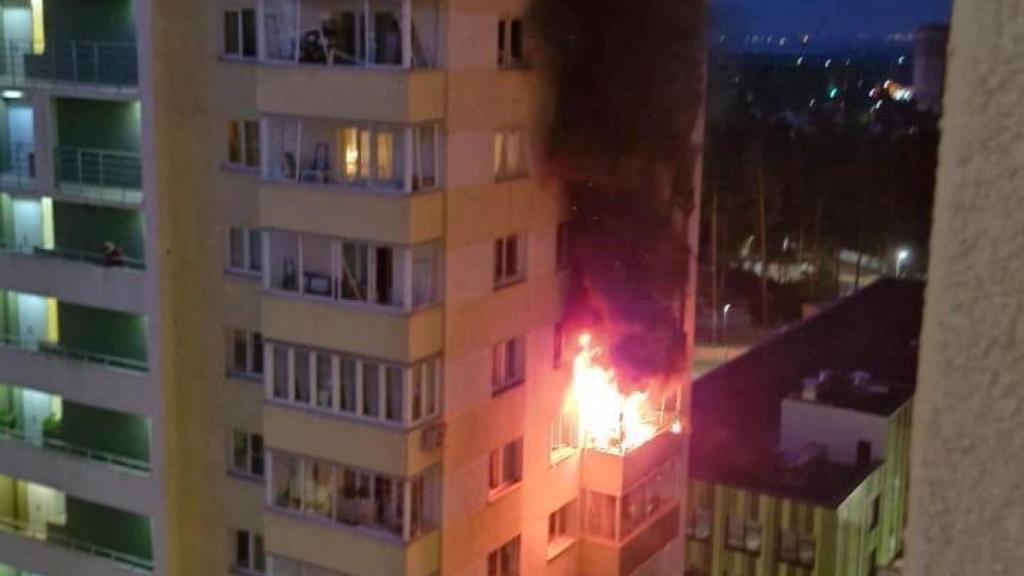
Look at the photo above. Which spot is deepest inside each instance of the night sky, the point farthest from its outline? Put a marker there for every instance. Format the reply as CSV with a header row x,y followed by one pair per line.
x,y
837,18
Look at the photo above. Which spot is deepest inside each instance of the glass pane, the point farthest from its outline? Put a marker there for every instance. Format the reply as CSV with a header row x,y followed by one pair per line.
x,y
324,381
284,259
371,390
355,271
242,549
388,36
257,353
235,142
231,33
396,396
385,157
512,256
236,245
249,33
240,354
252,144
259,557
281,373
385,281
286,481
430,386
240,451
348,385
416,397
256,456
302,380
255,250
316,497
317,270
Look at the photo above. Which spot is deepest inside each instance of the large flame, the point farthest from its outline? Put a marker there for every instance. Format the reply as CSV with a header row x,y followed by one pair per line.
x,y
609,420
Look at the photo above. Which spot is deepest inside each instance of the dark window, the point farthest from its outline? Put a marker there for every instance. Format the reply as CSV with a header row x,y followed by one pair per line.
x,y
249,33
232,27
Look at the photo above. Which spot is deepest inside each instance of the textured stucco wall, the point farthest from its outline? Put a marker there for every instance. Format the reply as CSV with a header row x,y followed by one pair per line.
x,y
967,480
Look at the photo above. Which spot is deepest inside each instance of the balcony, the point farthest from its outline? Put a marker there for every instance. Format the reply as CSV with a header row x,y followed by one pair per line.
x,y
602,558
108,66
372,157
49,530
105,176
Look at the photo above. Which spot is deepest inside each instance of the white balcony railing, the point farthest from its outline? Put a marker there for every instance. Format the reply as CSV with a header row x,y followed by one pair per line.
x,y
77,450
110,175
35,345
97,258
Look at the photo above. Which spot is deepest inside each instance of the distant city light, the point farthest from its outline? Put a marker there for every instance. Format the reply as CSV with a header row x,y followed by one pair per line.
x,y
902,60
833,93
828,63
800,61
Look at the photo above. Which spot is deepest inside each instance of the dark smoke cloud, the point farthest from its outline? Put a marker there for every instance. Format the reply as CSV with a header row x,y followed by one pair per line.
x,y
626,82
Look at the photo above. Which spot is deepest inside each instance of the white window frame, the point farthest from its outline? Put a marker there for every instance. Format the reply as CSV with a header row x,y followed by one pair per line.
x,y
502,275
253,455
507,60
501,378
563,528
256,550
564,436
244,127
429,381
501,476
505,560
238,14
251,238
505,167
253,347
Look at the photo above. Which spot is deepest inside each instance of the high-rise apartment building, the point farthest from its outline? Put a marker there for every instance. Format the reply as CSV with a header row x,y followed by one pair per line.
x,y
280,293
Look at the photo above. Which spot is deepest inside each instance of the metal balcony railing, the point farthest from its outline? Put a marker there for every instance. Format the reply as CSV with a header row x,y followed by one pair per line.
x,y
24,529
97,64
74,353
108,174
21,168
96,258
83,452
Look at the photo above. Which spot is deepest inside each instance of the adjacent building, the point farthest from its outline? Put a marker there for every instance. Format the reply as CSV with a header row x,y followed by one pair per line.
x,y
801,470
280,293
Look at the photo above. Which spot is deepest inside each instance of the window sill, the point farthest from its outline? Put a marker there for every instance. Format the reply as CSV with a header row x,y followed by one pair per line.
x,y
502,178
253,276
245,476
498,391
247,376
561,454
559,546
503,284
499,493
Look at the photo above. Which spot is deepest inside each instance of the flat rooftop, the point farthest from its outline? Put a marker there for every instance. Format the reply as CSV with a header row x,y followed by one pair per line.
x,y
881,398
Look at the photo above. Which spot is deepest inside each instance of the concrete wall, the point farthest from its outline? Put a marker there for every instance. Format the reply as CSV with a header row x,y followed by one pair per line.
x,y
838,429
966,513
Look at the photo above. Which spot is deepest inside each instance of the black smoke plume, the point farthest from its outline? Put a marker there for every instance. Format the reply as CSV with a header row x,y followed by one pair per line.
x,y
626,85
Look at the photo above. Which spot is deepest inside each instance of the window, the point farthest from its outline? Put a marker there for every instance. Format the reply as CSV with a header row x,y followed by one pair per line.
x,y
876,512
240,33
246,353
563,436
244,143
247,453
510,43
506,466
245,251
504,561
743,534
249,555
599,517
509,154
509,364
561,528
788,546
364,388
508,260
559,346
353,497
562,245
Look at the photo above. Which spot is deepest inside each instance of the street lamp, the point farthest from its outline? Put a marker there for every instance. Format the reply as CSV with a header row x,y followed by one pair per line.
x,y
901,257
725,317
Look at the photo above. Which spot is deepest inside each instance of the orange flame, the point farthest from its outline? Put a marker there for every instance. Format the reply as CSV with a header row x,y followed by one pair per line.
x,y
609,420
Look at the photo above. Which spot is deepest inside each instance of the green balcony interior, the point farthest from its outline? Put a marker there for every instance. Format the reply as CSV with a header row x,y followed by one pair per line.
x,y
80,231
48,514
46,419
98,124
89,20
60,327
84,229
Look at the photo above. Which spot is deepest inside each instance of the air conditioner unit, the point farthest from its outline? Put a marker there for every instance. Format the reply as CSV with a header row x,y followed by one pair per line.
x,y
433,436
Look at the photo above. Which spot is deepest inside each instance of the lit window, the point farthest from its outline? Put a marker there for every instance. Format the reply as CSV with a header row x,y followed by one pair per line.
x,y
505,560
509,154
244,143
510,43
240,33
509,364
245,353
509,260
561,528
247,453
249,554
506,466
